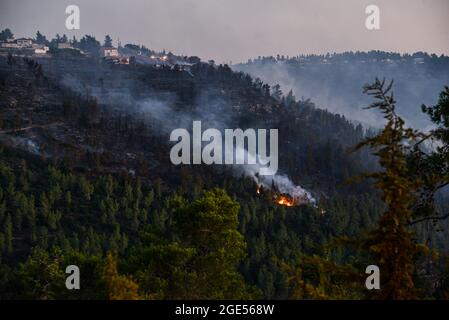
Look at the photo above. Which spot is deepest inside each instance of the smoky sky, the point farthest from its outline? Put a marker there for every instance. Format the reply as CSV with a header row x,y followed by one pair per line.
x,y
235,30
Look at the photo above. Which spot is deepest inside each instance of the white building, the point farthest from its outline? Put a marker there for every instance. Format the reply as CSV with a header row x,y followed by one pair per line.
x,y
418,60
24,42
10,44
21,43
64,45
108,52
41,49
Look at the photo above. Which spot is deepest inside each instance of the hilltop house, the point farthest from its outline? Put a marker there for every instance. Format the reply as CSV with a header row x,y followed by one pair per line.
x,y
40,49
24,44
64,45
108,52
418,60
21,43
10,43
116,60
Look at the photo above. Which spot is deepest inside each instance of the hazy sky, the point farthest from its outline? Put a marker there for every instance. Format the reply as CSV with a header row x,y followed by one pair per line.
x,y
235,30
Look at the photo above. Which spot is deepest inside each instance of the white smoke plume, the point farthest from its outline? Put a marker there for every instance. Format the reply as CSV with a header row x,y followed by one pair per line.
x,y
281,183
212,113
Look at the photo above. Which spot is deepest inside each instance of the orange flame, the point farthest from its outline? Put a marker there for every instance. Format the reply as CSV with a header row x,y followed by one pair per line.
x,y
285,201
281,199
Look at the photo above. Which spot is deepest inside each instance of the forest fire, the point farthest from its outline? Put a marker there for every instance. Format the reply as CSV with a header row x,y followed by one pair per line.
x,y
282,199
282,191
285,200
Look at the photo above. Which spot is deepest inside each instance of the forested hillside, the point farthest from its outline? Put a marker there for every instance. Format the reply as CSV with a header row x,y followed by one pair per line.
x,y
86,179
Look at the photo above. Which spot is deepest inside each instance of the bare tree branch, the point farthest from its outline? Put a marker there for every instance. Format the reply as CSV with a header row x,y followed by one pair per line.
x,y
429,218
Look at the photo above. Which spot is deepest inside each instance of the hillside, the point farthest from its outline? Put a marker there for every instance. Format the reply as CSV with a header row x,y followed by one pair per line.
x,y
334,81
85,162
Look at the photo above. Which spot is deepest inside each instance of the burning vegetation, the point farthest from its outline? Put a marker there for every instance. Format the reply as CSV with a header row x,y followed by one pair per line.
x,y
281,190
283,199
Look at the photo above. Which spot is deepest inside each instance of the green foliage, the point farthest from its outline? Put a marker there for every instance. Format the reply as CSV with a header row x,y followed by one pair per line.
x,y
107,41
119,287
391,245
6,34
166,234
40,38
432,166
42,275
321,279
200,262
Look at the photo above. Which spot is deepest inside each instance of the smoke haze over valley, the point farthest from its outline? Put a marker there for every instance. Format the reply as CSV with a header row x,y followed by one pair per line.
x,y
334,82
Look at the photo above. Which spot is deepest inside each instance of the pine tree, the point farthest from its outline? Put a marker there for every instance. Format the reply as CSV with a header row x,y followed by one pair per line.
x,y
8,234
119,287
41,275
40,38
391,245
107,41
